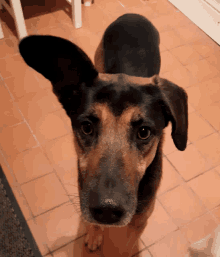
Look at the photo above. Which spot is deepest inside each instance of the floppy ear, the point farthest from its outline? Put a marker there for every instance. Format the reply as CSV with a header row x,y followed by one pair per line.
x,y
58,60
176,106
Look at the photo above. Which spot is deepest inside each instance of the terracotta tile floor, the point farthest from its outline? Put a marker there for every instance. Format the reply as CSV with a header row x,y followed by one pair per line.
x,y
36,149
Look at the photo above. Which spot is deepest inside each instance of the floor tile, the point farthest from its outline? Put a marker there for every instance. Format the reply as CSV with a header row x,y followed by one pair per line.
x,y
204,94
190,108
182,204
82,39
195,122
199,228
190,33
130,3
111,6
44,193
162,23
61,225
63,16
75,248
38,104
91,18
170,177
10,114
170,39
161,7
60,151
48,127
62,155
189,163
42,21
216,213
22,203
29,165
178,19
22,83
144,10
8,47
40,237
180,76
205,47
66,119
202,70
209,113
12,66
162,48
62,31
214,59
172,245
209,180
209,147
217,168
16,139
144,253
43,82
8,172
159,225
186,54
168,62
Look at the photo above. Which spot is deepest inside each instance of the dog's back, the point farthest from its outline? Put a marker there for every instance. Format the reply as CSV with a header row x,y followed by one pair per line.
x,y
131,46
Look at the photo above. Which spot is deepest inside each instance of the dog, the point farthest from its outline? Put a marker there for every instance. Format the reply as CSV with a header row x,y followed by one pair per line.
x,y
119,109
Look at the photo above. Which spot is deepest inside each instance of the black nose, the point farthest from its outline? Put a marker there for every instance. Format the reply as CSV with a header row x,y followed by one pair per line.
x,y
107,214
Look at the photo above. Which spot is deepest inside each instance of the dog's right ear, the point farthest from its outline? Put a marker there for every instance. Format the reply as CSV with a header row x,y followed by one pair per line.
x,y
58,60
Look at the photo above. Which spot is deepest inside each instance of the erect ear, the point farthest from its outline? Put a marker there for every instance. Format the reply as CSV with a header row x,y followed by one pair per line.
x,y
176,107
58,60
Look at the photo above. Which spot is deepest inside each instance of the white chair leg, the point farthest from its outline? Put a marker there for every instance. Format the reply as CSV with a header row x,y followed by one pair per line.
x,y
19,18
1,31
77,13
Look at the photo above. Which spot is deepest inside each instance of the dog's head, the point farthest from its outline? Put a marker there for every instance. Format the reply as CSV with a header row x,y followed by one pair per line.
x,y
118,123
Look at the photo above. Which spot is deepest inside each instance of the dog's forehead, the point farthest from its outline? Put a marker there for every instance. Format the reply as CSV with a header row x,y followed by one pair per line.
x,y
105,114
121,91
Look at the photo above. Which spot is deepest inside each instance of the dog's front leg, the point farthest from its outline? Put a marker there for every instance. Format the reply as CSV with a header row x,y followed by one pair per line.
x,y
94,237
117,242
120,242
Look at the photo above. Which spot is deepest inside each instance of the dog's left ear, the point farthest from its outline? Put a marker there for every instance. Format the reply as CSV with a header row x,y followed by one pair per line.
x,y
58,60
176,107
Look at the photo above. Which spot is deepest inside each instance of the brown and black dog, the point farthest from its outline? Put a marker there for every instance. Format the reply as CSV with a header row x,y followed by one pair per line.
x,y
118,112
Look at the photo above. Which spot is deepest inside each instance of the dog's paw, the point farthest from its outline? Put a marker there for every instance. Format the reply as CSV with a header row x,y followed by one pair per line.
x,y
94,237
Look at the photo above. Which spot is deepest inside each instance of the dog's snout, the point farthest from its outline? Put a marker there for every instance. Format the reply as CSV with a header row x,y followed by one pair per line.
x,y
107,213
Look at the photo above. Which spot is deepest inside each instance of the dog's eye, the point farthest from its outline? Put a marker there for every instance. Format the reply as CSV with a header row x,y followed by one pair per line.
x,y
87,128
143,133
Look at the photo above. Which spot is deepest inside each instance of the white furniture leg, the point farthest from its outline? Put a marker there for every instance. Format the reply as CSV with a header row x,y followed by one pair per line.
x,y
76,13
1,31
19,18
